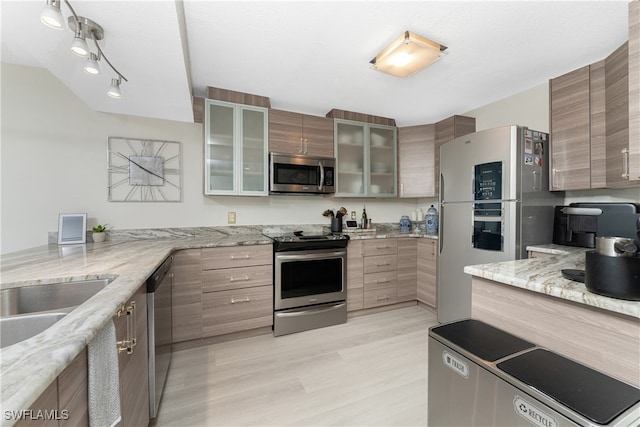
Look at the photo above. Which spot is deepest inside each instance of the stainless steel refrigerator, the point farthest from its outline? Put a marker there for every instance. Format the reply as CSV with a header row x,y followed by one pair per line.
x,y
494,201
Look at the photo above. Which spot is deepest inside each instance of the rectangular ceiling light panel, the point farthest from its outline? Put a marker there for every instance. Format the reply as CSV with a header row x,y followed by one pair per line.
x,y
407,55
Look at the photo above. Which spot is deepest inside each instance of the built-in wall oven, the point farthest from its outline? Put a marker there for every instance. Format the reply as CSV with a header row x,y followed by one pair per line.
x,y
310,282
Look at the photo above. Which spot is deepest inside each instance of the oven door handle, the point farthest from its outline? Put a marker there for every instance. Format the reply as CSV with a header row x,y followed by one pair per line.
x,y
308,311
309,255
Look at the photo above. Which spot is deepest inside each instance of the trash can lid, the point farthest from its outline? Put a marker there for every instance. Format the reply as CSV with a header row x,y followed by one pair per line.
x,y
590,393
480,339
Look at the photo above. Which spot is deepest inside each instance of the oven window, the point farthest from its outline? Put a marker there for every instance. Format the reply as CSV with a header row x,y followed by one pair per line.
x,y
296,174
313,277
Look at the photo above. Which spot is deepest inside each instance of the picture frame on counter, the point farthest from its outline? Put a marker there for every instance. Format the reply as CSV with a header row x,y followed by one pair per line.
x,y
72,229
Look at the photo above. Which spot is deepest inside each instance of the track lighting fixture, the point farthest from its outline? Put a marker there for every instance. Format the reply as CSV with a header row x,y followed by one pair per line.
x,y
83,29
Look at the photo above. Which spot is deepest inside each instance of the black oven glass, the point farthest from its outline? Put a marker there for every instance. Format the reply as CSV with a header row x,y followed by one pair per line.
x,y
312,277
488,181
487,235
296,174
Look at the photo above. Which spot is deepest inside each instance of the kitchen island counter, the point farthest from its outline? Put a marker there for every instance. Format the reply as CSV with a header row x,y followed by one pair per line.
x,y
530,298
543,275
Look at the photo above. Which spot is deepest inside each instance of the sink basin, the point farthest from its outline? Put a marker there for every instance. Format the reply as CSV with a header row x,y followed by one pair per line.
x,y
14,329
54,296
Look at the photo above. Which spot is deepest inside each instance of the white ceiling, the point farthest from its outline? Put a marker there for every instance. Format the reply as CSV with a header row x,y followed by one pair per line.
x,y
312,56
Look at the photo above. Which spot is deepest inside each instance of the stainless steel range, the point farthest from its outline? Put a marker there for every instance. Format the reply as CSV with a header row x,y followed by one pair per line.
x,y
310,282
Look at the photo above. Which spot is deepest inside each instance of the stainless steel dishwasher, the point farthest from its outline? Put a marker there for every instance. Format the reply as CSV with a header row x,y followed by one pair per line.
x,y
159,331
482,376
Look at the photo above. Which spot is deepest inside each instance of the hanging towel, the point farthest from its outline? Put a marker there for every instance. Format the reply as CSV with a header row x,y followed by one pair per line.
x,y
104,381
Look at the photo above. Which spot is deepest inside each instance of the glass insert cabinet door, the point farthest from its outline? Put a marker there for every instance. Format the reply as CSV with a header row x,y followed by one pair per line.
x,y
366,159
236,149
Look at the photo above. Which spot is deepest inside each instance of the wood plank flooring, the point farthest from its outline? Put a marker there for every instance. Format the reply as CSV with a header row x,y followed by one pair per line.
x,y
371,371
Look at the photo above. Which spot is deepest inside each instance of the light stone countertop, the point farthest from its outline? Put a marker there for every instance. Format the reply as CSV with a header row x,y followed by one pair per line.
x,y
128,257
543,275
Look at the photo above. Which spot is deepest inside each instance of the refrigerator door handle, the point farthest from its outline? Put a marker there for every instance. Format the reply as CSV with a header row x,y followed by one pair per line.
x,y
441,218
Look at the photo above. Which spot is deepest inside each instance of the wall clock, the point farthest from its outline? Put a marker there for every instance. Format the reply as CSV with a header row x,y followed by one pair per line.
x,y
144,170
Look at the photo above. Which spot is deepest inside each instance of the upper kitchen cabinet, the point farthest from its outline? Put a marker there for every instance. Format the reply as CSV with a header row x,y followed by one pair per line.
x,y
416,161
295,133
578,128
236,149
447,130
366,159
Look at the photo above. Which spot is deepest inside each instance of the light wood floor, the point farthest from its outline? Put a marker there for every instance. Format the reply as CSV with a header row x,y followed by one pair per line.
x,y
370,371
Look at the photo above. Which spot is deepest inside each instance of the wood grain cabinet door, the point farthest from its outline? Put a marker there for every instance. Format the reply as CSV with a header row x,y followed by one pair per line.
x,y
295,133
427,269
355,275
186,296
407,269
416,161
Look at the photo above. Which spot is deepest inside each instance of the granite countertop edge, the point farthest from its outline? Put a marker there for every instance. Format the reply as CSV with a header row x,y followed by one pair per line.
x,y
543,275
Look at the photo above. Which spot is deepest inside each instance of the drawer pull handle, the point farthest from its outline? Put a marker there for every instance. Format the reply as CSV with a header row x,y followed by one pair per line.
x,y
237,301
382,264
382,247
239,279
382,298
385,280
625,163
245,256
130,342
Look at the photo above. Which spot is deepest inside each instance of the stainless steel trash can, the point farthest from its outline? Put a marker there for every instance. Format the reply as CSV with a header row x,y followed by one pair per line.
x,y
482,376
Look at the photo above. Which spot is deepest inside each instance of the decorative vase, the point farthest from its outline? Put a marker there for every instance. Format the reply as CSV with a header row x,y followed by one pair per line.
x,y
99,237
405,224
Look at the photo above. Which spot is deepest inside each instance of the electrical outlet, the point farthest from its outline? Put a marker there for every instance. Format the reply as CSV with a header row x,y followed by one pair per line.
x,y
231,217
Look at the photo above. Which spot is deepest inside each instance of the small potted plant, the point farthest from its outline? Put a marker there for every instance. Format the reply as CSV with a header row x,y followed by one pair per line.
x,y
99,233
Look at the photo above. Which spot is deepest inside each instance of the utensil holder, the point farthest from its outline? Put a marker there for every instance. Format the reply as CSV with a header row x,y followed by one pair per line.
x,y
336,225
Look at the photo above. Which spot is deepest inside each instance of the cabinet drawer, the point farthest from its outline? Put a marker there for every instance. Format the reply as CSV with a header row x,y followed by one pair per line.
x,y
236,310
374,264
383,279
236,256
236,278
380,297
380,247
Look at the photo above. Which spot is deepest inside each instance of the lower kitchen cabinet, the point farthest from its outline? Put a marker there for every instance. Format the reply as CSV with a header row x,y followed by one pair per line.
x,y
380,272
427,268
407,269
218,291
131,334
355,275
65,400
186,297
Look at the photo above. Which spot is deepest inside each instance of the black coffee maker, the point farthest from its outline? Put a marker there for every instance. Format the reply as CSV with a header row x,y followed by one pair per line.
x,y
578,224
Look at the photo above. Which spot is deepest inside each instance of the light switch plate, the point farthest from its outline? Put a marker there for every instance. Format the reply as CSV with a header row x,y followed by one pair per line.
x,y
231,217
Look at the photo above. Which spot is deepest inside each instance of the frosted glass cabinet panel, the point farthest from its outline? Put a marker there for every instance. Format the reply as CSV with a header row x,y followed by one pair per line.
x,y
235,149
366,159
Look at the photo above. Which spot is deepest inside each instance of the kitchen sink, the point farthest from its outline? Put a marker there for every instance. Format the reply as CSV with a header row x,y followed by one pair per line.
x,y
14,329
54,296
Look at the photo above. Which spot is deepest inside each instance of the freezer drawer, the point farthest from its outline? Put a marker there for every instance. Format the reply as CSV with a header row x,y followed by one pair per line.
x,y
481,376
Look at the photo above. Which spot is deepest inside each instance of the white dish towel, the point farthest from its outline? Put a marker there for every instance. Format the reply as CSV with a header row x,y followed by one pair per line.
x,y
104,381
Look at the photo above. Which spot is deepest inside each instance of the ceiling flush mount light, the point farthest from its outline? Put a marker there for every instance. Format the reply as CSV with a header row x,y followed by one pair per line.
x,y
83,29
407,55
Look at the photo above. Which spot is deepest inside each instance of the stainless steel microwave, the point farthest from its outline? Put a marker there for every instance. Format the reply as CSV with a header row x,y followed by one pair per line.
x,y
296,173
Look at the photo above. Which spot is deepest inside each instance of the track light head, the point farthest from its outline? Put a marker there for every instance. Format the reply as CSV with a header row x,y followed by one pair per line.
x,y
51,15
79,45
114,90
91,65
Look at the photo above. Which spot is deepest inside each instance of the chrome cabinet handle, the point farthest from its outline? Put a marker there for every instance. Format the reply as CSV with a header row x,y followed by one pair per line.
x,y
301,150
382,264
386,297
237,301
306,146
245,256
245,278
625,163
554,172
382,247
385,280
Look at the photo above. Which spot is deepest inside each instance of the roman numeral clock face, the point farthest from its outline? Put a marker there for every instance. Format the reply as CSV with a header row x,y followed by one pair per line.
x,y
144,170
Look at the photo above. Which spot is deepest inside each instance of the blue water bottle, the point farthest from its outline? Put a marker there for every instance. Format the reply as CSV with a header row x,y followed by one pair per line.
x,y
431,221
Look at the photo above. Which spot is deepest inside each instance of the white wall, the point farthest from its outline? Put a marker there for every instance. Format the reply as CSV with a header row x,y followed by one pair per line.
x,y
53,160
